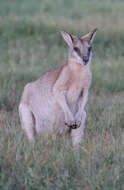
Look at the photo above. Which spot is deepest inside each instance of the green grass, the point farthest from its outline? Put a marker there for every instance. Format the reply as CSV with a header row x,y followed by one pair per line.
x,y
30,44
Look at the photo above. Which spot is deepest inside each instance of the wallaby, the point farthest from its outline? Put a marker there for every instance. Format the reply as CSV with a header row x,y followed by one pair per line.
x,y
57,99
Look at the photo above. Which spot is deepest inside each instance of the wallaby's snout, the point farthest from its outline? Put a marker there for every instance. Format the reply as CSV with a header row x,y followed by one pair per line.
x,y
85,59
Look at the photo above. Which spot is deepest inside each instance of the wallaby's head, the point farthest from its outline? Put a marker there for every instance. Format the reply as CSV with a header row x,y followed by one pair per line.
x,y
80,49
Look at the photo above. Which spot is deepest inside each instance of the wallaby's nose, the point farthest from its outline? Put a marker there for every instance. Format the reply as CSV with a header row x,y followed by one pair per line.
x,y
85,58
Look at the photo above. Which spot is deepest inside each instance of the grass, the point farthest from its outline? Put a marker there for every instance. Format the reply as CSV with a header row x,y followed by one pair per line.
x,y
30,44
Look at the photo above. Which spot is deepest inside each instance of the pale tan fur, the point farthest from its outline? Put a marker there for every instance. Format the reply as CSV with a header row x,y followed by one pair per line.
x,y
57,99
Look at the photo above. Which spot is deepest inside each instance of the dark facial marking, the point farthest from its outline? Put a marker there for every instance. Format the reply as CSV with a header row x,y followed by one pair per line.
x,y
89,49
77,50
86,57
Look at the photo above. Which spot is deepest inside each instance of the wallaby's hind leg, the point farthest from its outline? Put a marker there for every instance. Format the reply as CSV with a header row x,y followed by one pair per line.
x,y
27,121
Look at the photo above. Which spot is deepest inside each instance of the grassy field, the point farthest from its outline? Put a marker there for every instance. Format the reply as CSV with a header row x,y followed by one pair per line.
x,y
30,44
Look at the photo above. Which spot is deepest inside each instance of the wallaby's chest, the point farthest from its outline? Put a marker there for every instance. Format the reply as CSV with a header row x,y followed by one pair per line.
x,y
77,85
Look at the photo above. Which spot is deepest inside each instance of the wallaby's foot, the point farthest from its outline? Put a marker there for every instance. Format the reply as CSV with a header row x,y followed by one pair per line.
x,y
73,124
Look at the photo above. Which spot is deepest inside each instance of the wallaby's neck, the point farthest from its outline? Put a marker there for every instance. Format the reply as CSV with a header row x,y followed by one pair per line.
x,y
77,66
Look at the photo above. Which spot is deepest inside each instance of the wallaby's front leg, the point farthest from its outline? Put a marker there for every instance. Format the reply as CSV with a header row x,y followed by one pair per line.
x,y
81,105
60,92
77,134
61,99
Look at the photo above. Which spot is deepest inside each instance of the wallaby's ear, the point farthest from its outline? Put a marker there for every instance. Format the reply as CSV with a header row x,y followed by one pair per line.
x,y
90,36
68,38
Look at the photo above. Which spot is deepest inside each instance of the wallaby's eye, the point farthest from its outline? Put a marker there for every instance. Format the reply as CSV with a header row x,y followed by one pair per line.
x,y
89,49
76,49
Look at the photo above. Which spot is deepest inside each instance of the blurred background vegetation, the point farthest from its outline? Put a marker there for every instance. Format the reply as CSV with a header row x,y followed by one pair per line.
x,y
30,44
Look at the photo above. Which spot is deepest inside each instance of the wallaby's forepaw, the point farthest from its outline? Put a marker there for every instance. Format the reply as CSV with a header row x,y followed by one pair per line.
x,y
73,124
